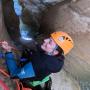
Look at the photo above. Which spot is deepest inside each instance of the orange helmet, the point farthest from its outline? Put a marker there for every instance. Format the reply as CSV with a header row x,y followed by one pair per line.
x,y
63,40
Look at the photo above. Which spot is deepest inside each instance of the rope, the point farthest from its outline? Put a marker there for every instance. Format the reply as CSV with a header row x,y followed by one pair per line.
x,y
7,75
4,73
3,85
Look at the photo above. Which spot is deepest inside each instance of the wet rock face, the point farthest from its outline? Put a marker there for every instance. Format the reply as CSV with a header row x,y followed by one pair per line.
x,y
31,15
63,81
82,7
68,18
71,19
33,10
3,33
10,19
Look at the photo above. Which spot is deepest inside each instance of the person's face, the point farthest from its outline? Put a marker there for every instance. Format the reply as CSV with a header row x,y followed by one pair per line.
x,y
48,45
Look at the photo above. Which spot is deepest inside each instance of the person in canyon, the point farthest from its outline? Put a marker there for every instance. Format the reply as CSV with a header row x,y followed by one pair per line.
x,y
49,58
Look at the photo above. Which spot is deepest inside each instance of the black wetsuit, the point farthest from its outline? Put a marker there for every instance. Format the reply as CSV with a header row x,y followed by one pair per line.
x,y
44,64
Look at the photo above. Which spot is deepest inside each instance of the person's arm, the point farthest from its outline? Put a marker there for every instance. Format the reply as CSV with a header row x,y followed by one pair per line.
x,y
54,65
10,60
24,72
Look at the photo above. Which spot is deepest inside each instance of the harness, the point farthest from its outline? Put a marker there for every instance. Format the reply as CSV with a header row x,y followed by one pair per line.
x,y
35,83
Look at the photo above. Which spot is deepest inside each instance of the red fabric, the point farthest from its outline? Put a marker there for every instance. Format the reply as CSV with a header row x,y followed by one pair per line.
x,y
3,85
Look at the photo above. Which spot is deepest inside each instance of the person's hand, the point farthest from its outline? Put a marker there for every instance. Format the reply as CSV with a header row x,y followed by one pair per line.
x,y
5,46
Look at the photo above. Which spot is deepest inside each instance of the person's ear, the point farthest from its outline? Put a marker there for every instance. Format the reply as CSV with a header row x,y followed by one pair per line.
x,y
55,52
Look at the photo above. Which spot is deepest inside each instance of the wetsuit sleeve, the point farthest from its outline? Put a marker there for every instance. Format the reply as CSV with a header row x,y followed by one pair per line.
x,y
25,72
55,65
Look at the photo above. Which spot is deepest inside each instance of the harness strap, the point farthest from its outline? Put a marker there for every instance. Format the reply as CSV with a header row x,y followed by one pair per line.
x,y
35,83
